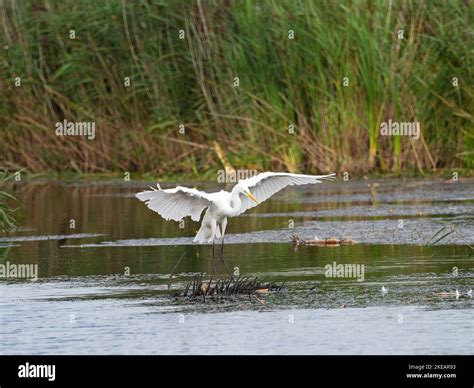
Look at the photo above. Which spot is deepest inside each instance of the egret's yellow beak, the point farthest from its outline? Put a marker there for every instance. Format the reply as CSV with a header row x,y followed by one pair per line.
x,y
250,195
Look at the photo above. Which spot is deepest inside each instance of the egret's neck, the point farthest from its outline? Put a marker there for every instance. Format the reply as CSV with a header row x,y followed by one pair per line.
x,y
235,201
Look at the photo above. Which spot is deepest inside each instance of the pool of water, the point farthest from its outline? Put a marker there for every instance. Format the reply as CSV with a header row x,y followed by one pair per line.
x,y
104,262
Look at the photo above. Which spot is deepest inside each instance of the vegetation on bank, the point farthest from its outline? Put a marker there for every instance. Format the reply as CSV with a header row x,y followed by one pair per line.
x,y
284,85
7,220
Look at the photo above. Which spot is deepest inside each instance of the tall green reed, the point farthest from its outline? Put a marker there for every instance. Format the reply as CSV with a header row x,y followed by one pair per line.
x,y
345,71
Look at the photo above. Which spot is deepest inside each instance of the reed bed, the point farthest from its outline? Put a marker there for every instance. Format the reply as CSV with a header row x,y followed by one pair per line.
x,y
343,73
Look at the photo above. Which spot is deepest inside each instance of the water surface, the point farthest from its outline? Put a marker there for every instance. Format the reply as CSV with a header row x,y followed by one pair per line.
x,y
104,261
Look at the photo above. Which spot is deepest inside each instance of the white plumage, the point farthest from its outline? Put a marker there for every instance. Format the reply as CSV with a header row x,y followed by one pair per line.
x,y
175,204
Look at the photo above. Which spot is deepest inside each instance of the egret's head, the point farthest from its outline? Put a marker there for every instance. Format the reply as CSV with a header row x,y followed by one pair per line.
x,y
247,192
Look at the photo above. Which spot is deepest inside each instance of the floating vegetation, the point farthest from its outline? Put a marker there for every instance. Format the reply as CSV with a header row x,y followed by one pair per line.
x,y
218,288
328,242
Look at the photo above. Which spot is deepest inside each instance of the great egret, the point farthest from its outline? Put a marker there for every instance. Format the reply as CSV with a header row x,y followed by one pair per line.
x,y
179,202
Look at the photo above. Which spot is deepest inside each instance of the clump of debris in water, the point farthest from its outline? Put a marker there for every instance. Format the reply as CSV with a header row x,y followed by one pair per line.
x,y
217,289
327,242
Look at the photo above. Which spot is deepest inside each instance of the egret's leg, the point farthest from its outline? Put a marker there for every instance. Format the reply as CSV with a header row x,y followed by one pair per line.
x,y
222,258
213,259
223,227
213,237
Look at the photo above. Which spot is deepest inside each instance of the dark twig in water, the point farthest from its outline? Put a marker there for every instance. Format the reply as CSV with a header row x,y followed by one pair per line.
x,y
311,290
208,286
282,285
186,290
449,232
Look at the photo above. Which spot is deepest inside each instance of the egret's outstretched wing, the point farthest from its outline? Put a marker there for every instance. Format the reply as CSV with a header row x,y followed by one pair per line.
x,y
264,185
175,204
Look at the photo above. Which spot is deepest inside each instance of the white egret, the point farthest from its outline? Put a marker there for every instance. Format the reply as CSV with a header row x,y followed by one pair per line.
x,y
179,202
